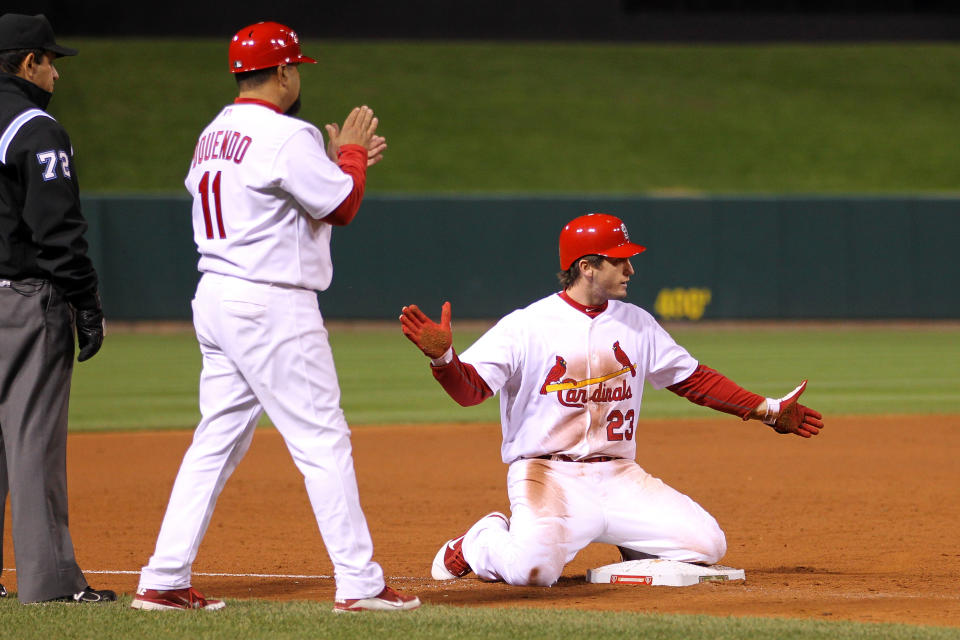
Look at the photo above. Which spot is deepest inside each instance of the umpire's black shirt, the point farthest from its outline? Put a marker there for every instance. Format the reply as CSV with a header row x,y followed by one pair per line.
x,y
41,226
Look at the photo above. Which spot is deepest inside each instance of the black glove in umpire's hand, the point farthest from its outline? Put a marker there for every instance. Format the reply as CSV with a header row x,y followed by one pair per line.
x,y
89,331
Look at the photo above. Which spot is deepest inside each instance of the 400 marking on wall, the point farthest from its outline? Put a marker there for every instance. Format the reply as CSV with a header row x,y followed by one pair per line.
x,y
682,303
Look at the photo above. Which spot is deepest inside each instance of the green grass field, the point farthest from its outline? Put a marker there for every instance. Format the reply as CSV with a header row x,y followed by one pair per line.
x,y
249,619
150,380
551,118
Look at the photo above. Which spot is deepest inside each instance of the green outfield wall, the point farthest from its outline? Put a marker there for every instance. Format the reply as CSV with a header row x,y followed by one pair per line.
x,y
707,258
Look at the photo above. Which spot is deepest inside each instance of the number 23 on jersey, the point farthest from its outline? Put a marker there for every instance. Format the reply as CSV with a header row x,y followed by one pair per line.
x,y
620,426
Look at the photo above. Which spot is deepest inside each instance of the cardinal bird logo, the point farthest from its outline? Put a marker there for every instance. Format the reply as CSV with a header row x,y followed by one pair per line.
x,y
597,390
556,372
623,359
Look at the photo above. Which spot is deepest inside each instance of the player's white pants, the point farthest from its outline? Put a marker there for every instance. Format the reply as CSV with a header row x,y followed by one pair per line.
x,y
265,347
558,508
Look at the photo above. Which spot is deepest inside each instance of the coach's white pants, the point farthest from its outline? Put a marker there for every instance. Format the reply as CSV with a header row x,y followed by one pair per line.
x,y
265,348
558,508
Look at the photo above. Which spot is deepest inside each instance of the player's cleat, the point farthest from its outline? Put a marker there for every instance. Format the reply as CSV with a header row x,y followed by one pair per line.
x,y
3,591
386,600
89,594
449,562
174,600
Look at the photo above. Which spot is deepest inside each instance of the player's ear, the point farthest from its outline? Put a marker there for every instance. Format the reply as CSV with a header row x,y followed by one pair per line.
x,y
585,266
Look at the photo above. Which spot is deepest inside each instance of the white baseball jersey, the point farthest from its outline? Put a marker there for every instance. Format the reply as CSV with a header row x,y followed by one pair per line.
x,y
570,384
255,173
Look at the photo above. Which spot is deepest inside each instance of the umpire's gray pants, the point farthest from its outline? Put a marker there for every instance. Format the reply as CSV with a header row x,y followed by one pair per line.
x,y
36,363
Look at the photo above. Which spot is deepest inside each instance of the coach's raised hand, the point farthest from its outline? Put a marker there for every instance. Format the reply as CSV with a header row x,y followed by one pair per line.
x,y
360,128
431,338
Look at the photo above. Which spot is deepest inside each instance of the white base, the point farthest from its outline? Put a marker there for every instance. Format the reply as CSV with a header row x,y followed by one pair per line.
x,y
656,572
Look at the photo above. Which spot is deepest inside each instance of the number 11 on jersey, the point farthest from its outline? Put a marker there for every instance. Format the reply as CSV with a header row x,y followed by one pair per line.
x,y
203,188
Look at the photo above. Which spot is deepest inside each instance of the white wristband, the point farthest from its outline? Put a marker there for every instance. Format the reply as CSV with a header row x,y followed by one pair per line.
x,y
446,358
773,411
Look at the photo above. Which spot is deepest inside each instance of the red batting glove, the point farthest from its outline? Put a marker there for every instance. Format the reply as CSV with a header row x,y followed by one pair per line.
x,y
431,338
786,415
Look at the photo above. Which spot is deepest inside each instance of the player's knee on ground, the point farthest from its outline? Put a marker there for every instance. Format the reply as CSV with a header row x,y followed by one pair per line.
x,y
711,545
537,570
707,540
716,546
536,576
705,543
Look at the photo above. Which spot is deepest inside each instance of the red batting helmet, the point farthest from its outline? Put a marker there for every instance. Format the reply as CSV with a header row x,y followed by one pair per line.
x,y
264,45
595,234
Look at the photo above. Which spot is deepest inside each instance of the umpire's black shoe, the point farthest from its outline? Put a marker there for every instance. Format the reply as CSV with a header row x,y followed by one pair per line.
x,y
89,595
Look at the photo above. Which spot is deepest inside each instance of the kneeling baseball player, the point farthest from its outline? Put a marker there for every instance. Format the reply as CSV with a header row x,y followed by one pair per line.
x,y
570,369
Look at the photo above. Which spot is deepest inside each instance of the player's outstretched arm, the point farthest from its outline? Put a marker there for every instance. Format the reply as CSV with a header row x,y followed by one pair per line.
x,y
709,388
786,415
431,338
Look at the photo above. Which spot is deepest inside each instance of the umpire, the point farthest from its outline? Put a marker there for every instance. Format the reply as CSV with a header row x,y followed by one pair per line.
x,y
47,285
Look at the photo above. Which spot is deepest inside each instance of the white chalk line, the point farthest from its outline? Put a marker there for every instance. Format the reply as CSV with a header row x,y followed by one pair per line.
x,y
280,576
271,576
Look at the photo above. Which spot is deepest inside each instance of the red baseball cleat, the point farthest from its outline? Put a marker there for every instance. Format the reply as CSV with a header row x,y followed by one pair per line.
x,y
174,599
386,600
449,562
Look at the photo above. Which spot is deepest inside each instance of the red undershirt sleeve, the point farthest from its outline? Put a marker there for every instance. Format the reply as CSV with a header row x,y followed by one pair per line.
x,y
352,160
461,382
709,388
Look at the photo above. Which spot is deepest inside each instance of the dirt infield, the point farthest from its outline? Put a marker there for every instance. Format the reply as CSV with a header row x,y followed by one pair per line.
x,y
860,523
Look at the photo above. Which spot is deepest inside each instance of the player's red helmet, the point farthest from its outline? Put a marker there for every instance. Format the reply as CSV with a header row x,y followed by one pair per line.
x,y
595,234
264,45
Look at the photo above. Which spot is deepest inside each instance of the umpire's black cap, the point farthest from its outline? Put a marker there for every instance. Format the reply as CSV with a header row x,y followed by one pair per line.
x,y
18,31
